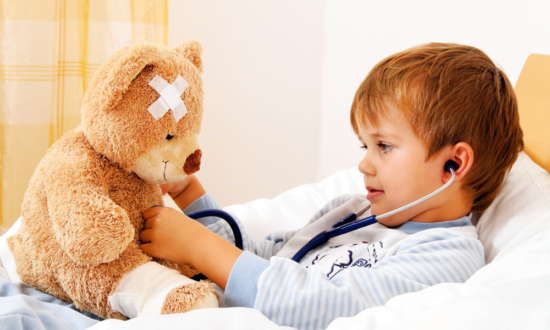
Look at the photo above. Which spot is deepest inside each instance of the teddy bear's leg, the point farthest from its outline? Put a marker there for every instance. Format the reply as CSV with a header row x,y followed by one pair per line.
x,y
90,286
152,289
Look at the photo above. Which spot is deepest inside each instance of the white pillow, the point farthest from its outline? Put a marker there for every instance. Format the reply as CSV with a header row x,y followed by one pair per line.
x,y
523,199
6,258
292,209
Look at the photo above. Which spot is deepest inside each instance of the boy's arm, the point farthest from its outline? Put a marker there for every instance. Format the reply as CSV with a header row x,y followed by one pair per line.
x,y
266,247
184,192
190,196
167,233
173,236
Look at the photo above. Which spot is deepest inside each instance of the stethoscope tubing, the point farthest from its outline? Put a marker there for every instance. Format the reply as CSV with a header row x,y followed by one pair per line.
x,y
225,216
336,230
420,200
348,223
219,214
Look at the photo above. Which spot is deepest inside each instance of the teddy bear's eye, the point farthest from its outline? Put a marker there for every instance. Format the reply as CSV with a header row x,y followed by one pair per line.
x,y
169,137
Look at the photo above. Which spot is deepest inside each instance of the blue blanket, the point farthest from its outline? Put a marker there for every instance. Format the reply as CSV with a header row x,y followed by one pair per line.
x,y
23,307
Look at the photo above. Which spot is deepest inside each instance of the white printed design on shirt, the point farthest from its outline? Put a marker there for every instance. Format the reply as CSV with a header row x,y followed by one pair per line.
x,y
335,259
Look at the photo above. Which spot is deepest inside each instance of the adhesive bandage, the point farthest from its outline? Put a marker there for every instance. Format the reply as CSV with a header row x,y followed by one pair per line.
x,y
170,97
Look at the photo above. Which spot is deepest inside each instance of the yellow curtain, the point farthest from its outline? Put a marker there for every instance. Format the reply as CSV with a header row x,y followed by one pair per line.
x,y
49,50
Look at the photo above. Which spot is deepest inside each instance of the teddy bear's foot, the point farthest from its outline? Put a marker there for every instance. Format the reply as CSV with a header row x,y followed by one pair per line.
x,y
189,297
152,289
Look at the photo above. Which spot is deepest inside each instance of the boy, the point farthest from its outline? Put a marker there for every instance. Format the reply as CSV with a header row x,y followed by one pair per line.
x,y
415,111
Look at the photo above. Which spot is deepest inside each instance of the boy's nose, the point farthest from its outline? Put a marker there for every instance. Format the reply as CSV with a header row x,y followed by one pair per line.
x,y
366,167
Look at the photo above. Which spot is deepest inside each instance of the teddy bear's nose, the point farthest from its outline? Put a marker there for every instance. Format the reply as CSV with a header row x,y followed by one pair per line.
x,y
193,162
169,137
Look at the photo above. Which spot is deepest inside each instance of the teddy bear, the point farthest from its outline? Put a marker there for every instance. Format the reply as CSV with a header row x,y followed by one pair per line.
x,y
82,211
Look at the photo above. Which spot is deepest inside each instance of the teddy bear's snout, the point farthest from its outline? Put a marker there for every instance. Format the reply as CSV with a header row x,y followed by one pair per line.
x,y
193,162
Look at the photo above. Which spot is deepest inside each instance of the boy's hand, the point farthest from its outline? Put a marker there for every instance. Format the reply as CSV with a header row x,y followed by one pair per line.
x,y
176,188
168,234
184,192
173,236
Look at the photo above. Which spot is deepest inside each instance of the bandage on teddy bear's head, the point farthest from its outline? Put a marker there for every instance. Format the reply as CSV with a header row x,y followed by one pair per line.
x,y
125,116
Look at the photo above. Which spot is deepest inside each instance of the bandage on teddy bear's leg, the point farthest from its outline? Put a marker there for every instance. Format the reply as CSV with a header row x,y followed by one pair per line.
x,y
153,289
178,300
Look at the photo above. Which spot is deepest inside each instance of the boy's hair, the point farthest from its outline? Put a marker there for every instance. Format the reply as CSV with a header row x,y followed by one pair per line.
x,y
449,93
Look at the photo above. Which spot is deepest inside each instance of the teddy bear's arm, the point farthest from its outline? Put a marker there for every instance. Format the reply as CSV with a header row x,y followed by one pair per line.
x,y
87,224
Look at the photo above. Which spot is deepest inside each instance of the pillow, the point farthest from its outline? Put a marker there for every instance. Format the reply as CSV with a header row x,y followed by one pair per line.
x,y
523,199
6,258
292,209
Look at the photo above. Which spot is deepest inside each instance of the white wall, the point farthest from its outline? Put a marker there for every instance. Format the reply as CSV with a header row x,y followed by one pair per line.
x,y
281,75
262,82
361,33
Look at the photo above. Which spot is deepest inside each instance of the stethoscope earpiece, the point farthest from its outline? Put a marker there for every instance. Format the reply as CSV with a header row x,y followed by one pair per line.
x,y
450,164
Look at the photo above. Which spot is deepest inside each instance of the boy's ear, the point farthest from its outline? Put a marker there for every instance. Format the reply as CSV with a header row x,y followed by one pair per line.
x,y
463,155
191,50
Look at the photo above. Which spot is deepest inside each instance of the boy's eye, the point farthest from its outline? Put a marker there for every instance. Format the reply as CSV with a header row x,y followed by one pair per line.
x,y
364,146
385,147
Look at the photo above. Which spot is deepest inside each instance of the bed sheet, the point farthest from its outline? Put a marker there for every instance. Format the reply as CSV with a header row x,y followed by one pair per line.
x,y
22,307
292,209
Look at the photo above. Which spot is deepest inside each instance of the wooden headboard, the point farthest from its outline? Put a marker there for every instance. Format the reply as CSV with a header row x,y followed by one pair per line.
x,y
533,93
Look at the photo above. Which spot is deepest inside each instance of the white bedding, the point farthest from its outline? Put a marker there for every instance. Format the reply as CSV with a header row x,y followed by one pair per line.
x,y
513,291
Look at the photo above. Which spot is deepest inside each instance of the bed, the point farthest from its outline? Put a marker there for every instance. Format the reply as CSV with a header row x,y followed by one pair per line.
x,y
511,291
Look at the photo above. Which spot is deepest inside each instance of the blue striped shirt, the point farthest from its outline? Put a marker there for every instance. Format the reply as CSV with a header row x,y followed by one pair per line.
x,y
290,294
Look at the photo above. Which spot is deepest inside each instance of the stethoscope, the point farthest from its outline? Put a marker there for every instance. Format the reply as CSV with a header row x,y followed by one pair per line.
x,y
225,216
348,223
219,214
344,226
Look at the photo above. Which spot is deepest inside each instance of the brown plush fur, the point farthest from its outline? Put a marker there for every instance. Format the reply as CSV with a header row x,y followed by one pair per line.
x,y
193,162
82,211
182,298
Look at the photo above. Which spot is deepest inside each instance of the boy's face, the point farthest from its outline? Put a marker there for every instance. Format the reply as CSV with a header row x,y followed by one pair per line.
x,y
396,173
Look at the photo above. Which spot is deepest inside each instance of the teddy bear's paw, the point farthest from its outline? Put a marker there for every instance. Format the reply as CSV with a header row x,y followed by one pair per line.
x,y
189,297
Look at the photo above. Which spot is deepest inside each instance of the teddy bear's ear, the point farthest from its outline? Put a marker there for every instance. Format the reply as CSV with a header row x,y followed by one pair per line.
x,y
115,75
191,50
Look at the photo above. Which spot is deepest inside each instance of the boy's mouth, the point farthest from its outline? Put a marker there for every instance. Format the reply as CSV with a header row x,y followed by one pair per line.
x,y
373,193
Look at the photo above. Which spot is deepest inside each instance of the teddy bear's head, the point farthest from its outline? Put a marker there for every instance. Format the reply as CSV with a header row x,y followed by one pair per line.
x,y
143,110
